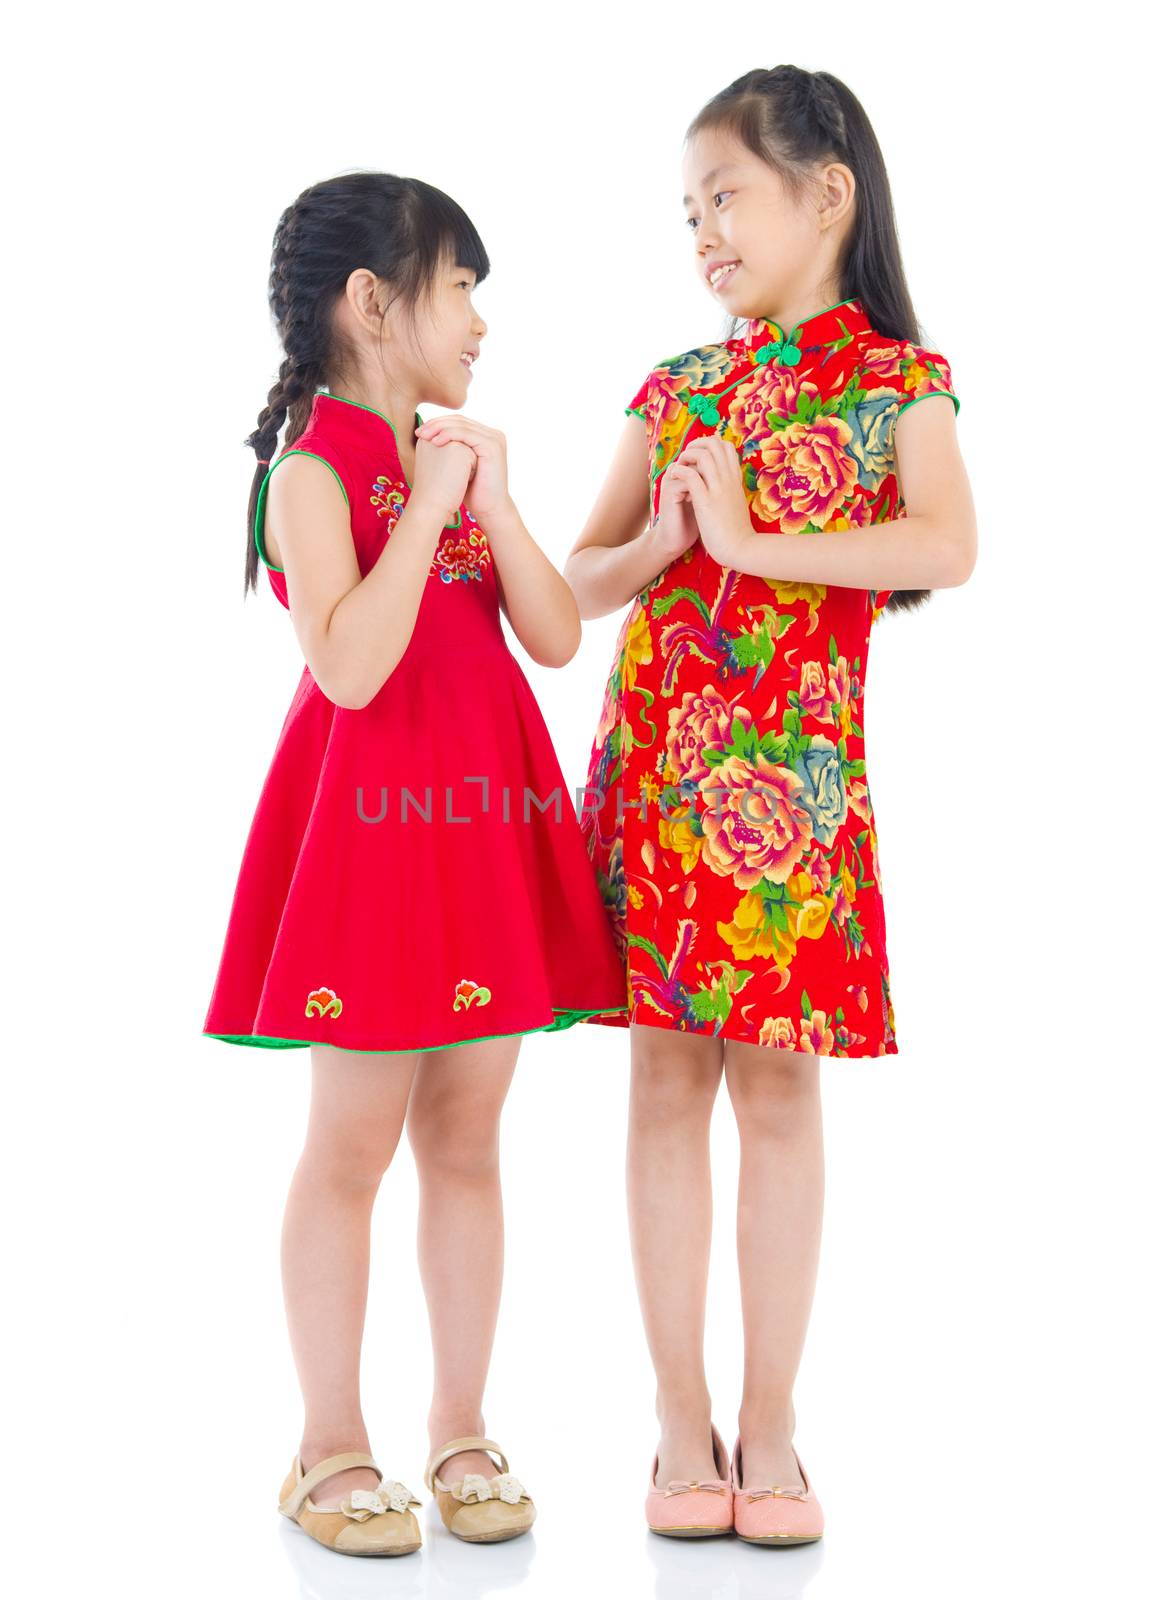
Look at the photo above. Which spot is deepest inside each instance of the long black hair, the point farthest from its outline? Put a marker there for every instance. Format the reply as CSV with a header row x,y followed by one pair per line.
x,y
398,228
794,120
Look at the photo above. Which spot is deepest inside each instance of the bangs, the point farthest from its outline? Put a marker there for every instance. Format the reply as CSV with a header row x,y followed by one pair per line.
x,y
443,232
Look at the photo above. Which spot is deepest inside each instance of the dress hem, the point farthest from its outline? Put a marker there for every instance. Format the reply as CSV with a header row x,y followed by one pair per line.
x,y
621,1019
563,1018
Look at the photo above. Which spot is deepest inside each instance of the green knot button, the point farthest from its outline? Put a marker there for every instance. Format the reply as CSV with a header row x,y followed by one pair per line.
x,y
704,407
781,351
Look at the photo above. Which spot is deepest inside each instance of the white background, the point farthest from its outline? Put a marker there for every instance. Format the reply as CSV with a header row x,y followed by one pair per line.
x,y
980,1403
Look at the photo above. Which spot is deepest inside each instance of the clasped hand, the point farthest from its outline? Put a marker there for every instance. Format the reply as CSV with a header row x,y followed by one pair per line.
x,y
702,493
484,489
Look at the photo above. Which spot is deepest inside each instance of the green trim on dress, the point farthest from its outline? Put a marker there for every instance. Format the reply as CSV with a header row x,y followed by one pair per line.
x,y
562,1019
787,338
927,395
260,503
343,398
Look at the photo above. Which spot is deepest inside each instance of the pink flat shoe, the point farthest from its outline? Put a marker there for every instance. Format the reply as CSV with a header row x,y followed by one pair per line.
x,y
766,1514
692,1510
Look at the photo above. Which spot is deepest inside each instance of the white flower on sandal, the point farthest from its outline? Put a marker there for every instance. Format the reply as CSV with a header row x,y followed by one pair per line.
x,y
502,1486
473,1487
364,1503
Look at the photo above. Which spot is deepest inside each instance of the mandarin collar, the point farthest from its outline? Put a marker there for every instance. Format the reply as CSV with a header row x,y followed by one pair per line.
x,y
766,340
363,420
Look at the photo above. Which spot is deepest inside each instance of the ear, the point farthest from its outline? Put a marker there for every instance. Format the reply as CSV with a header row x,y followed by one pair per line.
x,y
837,195
364,294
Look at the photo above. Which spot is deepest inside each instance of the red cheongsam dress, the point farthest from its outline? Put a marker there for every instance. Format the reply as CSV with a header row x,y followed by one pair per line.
x,y
415,875
728,810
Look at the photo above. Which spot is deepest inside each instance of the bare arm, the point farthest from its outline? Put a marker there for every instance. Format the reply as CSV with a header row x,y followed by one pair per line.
x,y
535,597
352,630
531,591
933,481
614,558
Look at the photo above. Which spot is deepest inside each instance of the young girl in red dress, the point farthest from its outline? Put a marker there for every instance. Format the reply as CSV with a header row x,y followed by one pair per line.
x,y
415,892
732,826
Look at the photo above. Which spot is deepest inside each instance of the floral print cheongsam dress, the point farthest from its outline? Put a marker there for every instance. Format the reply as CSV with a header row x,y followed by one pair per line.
x,y
728,812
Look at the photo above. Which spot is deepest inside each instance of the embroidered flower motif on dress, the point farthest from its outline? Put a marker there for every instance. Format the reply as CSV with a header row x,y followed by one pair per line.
x,y
469,993
463,553
323,1003
388,498
463,557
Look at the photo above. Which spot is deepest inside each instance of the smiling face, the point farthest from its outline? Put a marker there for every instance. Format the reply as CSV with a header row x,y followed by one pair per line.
x,y
395,358
447,339
761,250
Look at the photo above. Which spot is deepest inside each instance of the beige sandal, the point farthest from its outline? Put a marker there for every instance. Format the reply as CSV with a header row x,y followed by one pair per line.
x,y
367,1522
477,1508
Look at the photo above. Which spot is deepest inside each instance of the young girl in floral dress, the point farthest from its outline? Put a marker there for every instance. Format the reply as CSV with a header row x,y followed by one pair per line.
x,y
795,491
415,893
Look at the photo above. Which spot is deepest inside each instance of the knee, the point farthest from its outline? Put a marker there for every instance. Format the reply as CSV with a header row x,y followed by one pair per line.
x,y
356,1162
454,1147
673,1087
772,1091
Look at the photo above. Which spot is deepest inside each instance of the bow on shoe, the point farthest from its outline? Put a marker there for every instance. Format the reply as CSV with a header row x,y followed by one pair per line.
x,y
676,1487
364,1503
502,1486
777,1494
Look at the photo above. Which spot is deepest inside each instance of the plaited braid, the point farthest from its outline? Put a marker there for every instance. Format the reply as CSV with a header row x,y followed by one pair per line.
x,y
827,108
302,370
402,231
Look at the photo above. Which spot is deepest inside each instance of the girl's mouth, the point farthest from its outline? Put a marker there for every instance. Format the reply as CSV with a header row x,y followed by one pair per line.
x,y
720,277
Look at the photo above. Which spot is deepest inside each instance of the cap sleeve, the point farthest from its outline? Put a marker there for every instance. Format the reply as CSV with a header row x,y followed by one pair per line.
x,y
921,373
635,406
925,372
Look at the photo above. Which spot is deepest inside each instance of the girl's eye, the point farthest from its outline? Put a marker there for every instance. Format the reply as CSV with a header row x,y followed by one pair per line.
x,y
715,197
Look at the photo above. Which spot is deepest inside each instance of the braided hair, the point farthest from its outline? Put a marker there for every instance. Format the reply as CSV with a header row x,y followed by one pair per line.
x,y
398,228
794,120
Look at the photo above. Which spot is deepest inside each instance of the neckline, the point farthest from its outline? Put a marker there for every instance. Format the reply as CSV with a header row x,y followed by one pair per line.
x,y
371,411
341,399
811,330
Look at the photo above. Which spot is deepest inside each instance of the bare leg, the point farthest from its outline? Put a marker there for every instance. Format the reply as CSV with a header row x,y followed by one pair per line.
x,y
358,1102
674,1081
776,1095
453,1126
